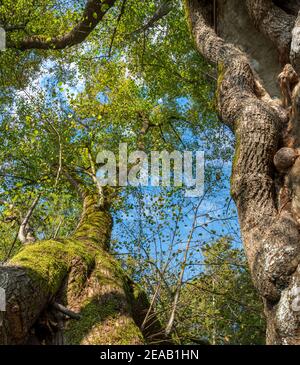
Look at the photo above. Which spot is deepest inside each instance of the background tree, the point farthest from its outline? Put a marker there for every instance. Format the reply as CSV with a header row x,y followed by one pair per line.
x,y
221,305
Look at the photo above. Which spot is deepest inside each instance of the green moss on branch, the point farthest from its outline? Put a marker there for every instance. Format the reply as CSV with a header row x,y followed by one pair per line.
x,y
106,311
48,262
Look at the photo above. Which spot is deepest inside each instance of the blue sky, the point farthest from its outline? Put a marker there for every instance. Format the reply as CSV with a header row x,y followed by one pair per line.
x,y
217,213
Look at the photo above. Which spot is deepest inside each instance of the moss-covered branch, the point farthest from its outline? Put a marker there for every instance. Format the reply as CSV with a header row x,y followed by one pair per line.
x,y
79,273
95,222
34,276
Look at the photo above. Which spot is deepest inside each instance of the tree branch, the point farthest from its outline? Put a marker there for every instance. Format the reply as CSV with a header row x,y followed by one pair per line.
x,y
93,13
273,22
162,10
24,231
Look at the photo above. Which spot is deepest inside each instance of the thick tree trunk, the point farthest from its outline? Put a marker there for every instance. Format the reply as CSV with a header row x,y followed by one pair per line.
x,y
270,230
80,274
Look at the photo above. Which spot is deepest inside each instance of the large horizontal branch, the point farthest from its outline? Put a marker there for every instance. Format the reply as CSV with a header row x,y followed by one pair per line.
x,y
93,13
32,278
273,22
80,274
89,282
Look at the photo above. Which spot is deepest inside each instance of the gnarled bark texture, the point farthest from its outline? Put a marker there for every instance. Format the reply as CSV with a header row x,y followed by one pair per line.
x,y
79,273
269,225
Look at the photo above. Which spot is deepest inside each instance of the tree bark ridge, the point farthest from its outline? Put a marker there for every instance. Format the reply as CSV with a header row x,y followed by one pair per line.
x,y
271,238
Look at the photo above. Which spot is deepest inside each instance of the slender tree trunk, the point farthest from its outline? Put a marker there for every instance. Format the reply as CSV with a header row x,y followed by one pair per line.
x,y
270,229
79,274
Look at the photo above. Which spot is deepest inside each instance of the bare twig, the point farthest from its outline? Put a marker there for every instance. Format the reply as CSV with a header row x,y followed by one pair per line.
x,y
180,279
116,27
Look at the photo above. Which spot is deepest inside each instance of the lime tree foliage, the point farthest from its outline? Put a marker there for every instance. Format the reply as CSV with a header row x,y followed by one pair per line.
x,y
217,302
131,76
221,304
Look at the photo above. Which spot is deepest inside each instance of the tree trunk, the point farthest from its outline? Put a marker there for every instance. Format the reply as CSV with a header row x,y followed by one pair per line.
x,y
264,197
78,273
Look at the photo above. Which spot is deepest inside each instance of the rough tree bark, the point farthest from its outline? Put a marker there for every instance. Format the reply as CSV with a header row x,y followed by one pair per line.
x,y
269,226
79,273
